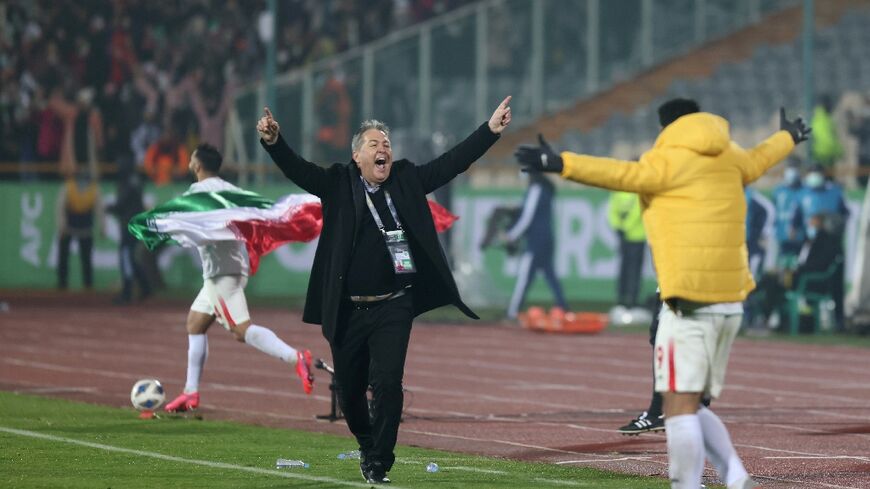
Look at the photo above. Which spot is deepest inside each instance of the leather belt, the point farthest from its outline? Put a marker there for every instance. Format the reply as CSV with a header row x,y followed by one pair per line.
x,y
682,307
377,298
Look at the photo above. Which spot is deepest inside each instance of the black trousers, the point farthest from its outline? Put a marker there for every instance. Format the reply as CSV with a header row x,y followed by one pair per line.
x,y
370,350
131,270
86,246
630,268
863,164
838,291
530,262
655,408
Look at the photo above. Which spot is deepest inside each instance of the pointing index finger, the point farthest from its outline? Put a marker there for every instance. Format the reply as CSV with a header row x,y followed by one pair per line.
x,y
268,112
505,102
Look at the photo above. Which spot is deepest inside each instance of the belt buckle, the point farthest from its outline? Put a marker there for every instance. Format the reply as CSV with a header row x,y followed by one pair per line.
x,y
362,299
376,299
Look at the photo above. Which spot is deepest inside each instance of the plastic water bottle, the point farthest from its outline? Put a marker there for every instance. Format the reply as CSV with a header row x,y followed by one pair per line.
x,y
283,463
432,467
827,311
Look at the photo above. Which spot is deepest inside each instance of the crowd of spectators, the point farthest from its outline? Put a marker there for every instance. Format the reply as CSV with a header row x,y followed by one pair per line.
x,y
133,82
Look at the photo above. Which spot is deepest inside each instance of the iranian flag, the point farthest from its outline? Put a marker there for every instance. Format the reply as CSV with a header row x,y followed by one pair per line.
x,y
197,219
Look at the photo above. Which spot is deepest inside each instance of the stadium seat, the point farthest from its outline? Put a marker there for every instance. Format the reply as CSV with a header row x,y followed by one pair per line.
x,y
749,92
799,300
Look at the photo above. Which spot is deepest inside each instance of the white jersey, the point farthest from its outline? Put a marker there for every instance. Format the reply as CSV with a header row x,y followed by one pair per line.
x,y
221,257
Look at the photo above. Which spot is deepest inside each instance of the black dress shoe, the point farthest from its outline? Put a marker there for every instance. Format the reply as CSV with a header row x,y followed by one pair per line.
x,y
374,473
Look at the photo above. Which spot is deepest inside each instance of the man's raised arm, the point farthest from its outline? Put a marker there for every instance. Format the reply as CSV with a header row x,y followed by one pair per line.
x,y
312,178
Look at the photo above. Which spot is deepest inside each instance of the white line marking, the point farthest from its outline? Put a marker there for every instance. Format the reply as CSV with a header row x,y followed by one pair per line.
x,y
438,358
133,376
503,442
475,469
561,483
803,454
437,460
799,483
256,470
575,426
831,457
487,440
811,430
169,458
837,415
231,388
788,357
620,459
58,390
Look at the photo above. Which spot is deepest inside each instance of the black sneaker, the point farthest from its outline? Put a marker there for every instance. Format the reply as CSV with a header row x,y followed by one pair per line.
x,y
643,424
374,473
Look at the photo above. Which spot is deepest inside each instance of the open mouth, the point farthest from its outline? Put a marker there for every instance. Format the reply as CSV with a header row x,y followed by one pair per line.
x,y
381,162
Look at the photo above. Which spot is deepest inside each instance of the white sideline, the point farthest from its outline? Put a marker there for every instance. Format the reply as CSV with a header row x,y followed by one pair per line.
x,y
619,459
562,483
169,458
221,465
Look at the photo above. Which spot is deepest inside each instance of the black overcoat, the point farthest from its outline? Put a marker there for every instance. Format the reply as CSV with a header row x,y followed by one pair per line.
x,y
341,195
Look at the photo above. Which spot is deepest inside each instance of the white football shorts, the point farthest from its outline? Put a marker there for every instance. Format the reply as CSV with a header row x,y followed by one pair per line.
x,y
691,351
223,296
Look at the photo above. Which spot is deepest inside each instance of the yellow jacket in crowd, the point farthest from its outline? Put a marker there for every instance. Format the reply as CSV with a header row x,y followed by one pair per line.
x,y
691,190
625,215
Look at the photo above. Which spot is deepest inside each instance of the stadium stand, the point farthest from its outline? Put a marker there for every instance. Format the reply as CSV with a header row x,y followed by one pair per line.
x,y
176,60
748,92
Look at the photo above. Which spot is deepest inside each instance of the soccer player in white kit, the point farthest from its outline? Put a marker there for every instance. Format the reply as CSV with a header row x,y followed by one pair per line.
x,y
694,211
225,268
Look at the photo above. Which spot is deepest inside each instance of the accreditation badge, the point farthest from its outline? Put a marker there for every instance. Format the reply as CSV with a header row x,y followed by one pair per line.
x,y
400,251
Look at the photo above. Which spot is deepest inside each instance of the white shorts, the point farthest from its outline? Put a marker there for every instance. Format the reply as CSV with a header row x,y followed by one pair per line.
x,y
224,297
691,351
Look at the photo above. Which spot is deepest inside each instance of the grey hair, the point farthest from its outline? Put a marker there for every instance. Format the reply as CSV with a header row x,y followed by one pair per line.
x,y
356,142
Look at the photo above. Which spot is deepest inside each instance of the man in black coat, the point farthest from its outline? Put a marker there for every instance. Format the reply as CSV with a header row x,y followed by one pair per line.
x,y
378,265
822,250
128,203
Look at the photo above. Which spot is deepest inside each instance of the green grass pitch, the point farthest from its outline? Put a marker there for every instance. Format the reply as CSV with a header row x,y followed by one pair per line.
x,y
50,443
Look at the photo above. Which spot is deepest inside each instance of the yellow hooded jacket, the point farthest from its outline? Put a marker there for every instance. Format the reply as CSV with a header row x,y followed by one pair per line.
x,y
694,210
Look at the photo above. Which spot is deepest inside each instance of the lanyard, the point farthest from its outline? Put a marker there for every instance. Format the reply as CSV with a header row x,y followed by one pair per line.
x,y
377,217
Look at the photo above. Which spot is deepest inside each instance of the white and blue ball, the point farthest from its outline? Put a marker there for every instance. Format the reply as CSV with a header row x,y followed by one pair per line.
x,y
147,394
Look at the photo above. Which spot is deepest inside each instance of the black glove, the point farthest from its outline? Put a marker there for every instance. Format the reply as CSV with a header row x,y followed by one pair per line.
x,y
797,128
540,158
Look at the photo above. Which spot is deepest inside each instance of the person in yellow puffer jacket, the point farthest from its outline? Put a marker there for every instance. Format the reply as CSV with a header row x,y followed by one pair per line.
x,y
694,210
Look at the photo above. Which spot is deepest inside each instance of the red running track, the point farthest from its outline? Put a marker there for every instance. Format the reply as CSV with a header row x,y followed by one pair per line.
x,y
798,414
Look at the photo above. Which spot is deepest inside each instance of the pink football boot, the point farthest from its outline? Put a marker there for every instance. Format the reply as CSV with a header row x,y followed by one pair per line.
x,y
303,370
184,402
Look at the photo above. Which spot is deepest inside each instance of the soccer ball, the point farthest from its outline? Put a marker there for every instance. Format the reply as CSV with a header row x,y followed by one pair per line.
x,y
147,394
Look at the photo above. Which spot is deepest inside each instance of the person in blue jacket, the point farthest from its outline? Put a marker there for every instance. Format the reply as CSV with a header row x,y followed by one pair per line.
x,y
759,221
759,214
535,223
820,195
786,200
